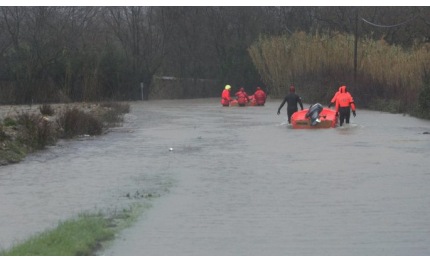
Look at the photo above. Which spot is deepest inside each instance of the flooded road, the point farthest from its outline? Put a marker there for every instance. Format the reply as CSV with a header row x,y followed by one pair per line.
x,y
238,181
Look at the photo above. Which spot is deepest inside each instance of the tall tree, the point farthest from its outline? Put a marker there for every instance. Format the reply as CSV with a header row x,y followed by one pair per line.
x,y
143,33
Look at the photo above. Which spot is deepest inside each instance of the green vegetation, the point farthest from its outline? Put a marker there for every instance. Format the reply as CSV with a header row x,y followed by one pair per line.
x,y
23,134
388,76
11,152
8,121
71,238
76,237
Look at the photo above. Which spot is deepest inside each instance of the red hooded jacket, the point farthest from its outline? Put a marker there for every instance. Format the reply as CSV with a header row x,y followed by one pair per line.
x,y
225,97
344,99
260,96
242,97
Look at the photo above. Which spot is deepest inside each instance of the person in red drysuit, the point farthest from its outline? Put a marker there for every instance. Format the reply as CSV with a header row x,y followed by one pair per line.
x,y
260,97
333,100
242,97
225,96
344,105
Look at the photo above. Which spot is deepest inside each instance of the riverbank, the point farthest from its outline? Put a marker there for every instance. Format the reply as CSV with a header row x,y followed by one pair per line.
x,y
27,128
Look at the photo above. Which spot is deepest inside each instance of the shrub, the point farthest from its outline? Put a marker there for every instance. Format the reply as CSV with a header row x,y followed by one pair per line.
x,y
28,132
35,131
111,117
12,152
46,110
74,122
3,135
8,121
121,108
114,115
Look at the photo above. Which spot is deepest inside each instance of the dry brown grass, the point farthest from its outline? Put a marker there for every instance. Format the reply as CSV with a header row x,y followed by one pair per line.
x,y
396,72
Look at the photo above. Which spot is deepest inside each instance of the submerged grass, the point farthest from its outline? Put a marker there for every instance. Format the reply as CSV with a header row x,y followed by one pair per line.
x,y
71,238
82,236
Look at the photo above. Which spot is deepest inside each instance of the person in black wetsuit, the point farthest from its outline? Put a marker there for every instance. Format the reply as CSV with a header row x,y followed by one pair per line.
x,y
292,99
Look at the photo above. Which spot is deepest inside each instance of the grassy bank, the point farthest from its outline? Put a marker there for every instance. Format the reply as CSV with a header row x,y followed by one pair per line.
x,y
71,238
26,131
81,236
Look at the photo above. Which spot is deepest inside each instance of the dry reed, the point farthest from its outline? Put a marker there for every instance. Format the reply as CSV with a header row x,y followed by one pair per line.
x,y
398,73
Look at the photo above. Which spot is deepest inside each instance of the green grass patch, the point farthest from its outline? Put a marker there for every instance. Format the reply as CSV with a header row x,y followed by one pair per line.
x,y
11,152
8,121
71,238
82,236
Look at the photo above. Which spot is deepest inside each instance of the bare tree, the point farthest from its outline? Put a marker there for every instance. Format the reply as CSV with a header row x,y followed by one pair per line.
x,y
143,33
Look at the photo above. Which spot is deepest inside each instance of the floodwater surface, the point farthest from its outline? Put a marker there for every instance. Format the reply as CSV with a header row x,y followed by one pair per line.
x,y
234,181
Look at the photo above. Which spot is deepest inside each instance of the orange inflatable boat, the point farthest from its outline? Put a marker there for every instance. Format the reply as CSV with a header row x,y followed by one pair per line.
x,y
308,119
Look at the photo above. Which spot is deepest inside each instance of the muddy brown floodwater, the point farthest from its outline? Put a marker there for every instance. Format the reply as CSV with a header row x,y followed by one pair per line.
x,y
234,181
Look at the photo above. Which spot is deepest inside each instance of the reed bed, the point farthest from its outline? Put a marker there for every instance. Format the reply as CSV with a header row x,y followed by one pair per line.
x,y
320,62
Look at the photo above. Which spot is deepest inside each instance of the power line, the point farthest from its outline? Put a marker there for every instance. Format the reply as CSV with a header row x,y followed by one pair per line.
x,y
388,26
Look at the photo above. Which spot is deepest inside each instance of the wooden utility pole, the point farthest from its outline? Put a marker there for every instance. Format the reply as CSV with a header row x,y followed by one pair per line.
x,y
355,44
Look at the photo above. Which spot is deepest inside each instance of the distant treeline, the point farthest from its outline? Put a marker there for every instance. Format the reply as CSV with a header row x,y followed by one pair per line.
x,y
61,53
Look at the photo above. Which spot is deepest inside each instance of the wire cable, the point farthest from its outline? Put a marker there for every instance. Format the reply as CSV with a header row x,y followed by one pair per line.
x,y
388,26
